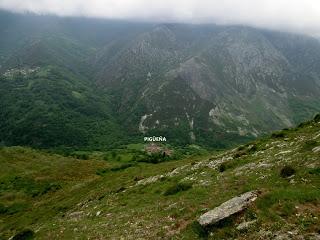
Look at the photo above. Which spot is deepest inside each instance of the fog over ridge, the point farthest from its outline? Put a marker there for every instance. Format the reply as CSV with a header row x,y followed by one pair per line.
x,y
289,15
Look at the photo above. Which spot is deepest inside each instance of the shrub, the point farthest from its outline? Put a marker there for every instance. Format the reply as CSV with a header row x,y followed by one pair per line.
x,y
222,167
138,178
252,148
15,208
24,235
198,230
287,209
3,209
134,158
178,187
287,171
30,186
301,125
113,154
315,171
120,189
121,167
278,135
309,145
155,158
241,148
81,156
103,171
239,154
50,187
317,118
84,157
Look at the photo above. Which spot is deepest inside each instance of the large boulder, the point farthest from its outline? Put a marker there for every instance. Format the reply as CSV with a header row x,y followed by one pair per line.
x,y
228,208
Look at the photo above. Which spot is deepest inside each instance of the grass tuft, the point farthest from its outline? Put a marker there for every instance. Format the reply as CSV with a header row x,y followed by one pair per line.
x,y
178,187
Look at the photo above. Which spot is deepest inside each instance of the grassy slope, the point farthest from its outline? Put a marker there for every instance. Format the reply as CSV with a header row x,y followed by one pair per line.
x,y
64,198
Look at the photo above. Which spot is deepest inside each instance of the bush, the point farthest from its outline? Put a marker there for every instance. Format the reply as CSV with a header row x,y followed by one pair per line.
x,y
239,154
24,235
134,158
198,230
242,147
301,125
309,145
178,187
50,187
30,186
155,158
120,189
121,167
3,209
317,118
103,171
287,171
315,171
222,167
13,208
278,135
113,154
252,148
81,156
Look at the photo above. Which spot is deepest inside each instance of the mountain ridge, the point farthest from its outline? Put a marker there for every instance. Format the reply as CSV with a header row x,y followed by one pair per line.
x,y
203,84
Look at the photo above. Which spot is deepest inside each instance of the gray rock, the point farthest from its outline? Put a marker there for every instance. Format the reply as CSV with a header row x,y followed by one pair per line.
x,y
228,208
316,149
313,236
282,236
245,225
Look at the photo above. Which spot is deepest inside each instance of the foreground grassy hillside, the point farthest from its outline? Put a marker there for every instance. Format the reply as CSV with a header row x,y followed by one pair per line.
x,y
48,196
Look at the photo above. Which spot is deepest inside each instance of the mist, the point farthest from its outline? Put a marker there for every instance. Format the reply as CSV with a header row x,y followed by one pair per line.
x,y
287,15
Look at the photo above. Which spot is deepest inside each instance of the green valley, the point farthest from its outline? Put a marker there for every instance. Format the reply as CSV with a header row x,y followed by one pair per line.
x,y
97,84
137,129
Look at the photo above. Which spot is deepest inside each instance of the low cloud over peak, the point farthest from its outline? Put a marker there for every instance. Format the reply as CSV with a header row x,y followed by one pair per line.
x,y
290,15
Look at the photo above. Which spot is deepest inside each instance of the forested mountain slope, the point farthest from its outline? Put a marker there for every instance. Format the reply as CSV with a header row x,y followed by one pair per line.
x,y
80,82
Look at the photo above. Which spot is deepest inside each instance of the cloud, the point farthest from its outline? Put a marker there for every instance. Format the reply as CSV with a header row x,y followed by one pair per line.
x,y
292,15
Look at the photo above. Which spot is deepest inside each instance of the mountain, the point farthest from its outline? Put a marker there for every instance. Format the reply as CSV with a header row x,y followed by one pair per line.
x,y
91,83
238,83
48,196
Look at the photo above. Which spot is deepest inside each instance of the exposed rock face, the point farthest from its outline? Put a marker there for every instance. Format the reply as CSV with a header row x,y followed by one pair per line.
x,y
228,208
222,81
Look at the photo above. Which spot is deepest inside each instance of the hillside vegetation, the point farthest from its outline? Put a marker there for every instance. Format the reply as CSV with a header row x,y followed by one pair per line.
x,y
48,196
92,84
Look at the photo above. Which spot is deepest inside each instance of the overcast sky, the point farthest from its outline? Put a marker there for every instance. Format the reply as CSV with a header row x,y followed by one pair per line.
x,y
292,15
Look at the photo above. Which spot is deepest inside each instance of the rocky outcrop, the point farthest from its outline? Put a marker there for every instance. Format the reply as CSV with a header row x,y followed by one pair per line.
x,y
228,208
245,225
316,149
